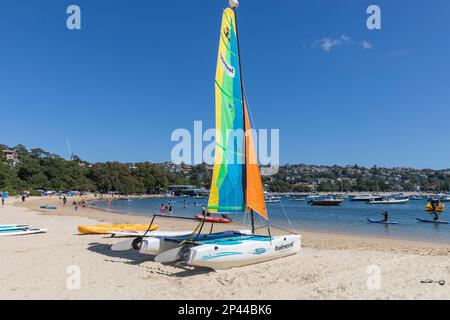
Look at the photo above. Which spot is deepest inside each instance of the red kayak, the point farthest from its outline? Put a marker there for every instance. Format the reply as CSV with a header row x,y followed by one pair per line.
x,y
212,219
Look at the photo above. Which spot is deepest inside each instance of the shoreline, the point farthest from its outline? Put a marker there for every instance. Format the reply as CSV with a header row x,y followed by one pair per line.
x,y
328,267
310,238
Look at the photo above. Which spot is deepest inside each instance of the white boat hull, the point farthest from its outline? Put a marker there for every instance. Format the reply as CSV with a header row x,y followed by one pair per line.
x,y
403,201
157,245
224,256
156,233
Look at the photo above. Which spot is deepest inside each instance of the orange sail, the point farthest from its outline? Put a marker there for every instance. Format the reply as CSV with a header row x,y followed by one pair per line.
x,y
255,193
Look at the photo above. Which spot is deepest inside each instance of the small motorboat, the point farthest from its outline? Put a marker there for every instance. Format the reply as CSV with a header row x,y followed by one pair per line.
x,y
272,200
298,199
212,219
327,202
389,200
363,198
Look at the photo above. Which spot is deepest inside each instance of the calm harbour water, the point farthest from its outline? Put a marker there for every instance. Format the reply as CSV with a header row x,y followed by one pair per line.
x,y
349,218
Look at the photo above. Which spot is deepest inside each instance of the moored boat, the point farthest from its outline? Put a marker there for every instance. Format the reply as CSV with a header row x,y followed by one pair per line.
x,y
363,198
389,200
327,202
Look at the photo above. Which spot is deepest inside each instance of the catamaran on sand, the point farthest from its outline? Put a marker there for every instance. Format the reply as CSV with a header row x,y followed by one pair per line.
x,y
236,186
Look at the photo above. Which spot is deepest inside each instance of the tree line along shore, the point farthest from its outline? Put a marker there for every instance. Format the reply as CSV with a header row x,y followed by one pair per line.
x,y
36,169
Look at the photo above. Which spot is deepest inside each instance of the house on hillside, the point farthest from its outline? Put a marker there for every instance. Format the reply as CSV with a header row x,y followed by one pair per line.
x,y
11,156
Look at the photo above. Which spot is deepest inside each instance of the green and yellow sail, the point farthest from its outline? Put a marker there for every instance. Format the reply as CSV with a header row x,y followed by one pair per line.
x,y
236,185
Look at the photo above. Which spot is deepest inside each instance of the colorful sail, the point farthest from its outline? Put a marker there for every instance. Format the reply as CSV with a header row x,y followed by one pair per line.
x,y
237,185
255,192
227,188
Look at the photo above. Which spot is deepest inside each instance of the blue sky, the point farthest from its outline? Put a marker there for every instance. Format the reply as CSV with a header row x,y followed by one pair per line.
x,y
138,70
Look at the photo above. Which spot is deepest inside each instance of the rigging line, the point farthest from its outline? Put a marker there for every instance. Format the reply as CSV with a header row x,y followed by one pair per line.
x,y
282,206
284,229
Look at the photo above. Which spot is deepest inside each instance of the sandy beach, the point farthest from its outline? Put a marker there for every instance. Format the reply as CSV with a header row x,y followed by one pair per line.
x,y
330,266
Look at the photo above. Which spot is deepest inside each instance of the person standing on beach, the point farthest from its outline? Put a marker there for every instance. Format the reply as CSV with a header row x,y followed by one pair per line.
x,y
64,200
203,211
3,201
23,198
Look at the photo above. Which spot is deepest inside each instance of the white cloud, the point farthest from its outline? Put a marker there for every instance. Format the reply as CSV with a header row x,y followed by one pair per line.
x,y
327,44
366,44
346,39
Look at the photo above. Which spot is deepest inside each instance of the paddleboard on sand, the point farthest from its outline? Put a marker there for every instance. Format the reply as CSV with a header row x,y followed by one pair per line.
x,y
21,232
48,207
13,228
381,221
432,221
10,226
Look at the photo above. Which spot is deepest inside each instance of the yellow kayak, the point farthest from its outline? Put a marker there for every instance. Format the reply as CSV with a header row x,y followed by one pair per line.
x,y
105,228
440,208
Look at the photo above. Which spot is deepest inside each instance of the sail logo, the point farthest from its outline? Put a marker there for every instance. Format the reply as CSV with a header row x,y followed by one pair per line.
x,y
227,33
284,246
228,69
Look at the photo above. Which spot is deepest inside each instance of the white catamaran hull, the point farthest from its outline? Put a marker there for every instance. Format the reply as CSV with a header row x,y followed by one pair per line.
x,y
223,257
158,245
156,233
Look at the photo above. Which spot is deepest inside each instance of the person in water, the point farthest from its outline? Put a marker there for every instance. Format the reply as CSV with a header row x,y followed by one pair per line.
x,y
170,210
203,211
434,206
385,214
162,209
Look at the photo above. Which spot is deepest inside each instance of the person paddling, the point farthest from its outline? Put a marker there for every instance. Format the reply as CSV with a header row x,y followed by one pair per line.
x,y
434,206
385,214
